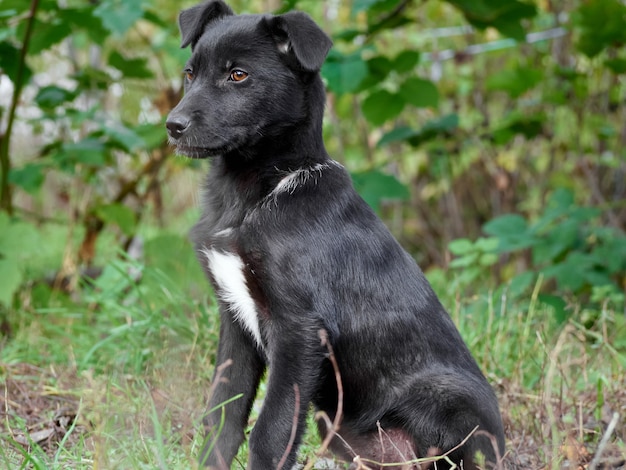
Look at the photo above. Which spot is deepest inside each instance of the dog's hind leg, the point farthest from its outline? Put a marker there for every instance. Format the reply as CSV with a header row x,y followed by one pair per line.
x,y
445,411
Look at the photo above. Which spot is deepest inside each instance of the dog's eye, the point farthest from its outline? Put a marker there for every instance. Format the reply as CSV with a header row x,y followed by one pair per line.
x,y
238,75
189,74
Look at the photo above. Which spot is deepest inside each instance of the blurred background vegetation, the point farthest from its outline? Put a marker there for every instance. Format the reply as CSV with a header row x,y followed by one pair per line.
x,y
490,136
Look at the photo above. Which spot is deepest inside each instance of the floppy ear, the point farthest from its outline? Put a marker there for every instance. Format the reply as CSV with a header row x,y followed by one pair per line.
x,y
295,32
193,20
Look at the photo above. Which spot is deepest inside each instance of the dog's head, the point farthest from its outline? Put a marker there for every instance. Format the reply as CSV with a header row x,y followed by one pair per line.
x,y
248,78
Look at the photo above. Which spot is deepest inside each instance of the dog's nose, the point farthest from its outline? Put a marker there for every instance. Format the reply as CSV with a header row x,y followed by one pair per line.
x,y
176,126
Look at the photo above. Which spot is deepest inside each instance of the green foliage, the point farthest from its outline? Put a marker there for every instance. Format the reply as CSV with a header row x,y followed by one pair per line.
x,y
565,245
422,119
506,17
381,106
376,187
344,72
440,127
118,16
515,81
602,24
18,245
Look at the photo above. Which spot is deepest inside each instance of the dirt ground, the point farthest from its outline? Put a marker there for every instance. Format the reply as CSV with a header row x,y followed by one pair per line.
x,y
39,408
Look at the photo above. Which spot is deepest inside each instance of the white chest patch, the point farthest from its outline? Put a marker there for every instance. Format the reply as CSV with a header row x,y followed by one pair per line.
x,y
227,270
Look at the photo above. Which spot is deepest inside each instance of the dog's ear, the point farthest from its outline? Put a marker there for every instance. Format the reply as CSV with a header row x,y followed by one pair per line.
x,y
295,32
193,20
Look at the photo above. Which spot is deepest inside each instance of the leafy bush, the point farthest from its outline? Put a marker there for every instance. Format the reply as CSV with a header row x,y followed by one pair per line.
x,y
565,244
444,129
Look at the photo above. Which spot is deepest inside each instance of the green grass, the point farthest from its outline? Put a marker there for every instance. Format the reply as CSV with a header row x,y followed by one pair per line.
x,y
134,360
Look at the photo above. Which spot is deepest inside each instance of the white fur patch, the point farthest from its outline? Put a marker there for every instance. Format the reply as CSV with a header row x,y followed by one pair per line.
x,y
227,270
224,233
284,47
290,182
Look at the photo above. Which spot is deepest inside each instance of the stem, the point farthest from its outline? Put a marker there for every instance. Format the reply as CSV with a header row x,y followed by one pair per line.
x,y
6,202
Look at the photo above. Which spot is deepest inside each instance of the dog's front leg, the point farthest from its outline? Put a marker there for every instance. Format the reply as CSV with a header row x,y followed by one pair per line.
x,y
294,375
238,373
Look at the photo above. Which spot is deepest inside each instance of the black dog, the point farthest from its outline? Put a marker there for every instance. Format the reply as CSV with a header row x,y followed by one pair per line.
x,y
291,250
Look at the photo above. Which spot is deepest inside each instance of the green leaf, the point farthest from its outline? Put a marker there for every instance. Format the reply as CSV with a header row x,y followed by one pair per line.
x,y
429,131
420,93
50,97
556,242
528,126
151,135
163,22
512,231
11,276
611,254
348,35
9,62
344,72
398,134
47,34
443,125
13,8
29,177
617,66
505,16
131,68
516,81
124,136
462,246
597,278
91,78
362,5
406,61
561,198
570,274
487,245
505,225
377,70
381,106
488,259
120,215
558,304
18,240
465,261
601,24
375,187
84,19
119,15
89,151
521,283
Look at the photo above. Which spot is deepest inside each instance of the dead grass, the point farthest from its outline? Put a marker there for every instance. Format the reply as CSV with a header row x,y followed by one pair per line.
x,y
562,393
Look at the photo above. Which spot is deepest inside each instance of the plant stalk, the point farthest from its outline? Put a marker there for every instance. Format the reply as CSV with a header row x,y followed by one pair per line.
x,y
6,200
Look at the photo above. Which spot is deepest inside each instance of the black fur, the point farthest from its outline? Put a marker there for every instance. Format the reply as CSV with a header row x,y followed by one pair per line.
x,y
314,257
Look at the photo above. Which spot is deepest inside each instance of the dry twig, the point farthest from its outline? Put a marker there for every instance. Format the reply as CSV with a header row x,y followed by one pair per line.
x,y
294,428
